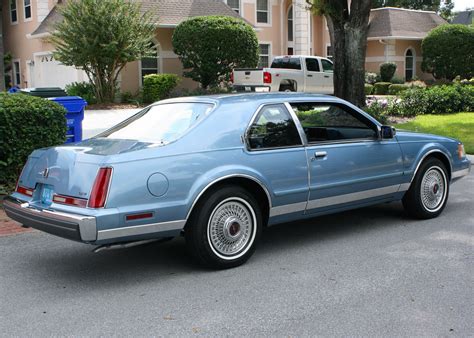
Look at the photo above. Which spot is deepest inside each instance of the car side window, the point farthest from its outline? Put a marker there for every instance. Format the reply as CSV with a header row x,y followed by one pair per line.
x,y
328,67
327,122
312,65
273,128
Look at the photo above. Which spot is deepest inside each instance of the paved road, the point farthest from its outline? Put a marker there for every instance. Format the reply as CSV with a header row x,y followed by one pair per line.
x,y
370,272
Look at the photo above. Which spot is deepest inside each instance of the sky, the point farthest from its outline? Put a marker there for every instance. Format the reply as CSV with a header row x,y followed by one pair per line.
x,y
461,5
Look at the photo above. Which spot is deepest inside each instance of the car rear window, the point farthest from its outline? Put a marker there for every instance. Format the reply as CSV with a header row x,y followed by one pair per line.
x,y
287,63
163,123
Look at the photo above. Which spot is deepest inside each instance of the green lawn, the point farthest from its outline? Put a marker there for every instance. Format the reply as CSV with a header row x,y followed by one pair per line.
x,y
459,126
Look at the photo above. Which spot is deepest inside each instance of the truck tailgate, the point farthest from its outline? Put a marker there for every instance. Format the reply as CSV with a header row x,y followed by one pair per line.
x,y
248,77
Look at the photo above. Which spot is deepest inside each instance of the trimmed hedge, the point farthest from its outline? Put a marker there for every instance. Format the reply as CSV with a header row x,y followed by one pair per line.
x,y
27,123
158,86
381,88
387,71
369,89
396,89
446,99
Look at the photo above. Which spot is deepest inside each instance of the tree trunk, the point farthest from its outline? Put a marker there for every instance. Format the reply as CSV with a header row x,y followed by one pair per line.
x,y
348,33
2,53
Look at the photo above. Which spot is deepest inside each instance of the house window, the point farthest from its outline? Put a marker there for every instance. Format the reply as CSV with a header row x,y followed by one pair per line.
x,y
409,65
150,65
16,73
234,4
262,11
290,23
264,59
27,7
13,11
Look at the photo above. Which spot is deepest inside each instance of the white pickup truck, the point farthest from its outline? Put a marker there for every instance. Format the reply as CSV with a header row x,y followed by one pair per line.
x,y
312,74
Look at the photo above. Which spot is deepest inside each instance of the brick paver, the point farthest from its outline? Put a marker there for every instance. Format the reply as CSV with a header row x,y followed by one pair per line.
x,y
9,227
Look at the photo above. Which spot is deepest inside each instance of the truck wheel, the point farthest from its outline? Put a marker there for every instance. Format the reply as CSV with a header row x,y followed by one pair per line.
x,y
224,230
428,193
287,88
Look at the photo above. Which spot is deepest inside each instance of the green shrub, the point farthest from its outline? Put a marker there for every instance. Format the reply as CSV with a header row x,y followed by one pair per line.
x,y
444,99
397,80
381,88
224,43
448,51
27,123
395,89
82,89
387,70
369,89
158,86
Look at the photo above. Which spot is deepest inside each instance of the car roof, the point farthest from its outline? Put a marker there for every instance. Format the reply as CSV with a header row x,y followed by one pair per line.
x,y
255,98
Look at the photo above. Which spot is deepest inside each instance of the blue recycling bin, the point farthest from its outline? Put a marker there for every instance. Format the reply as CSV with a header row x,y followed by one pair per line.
x,y
75,106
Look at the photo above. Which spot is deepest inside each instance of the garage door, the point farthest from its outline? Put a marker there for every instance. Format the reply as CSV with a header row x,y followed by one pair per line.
x,y
47,72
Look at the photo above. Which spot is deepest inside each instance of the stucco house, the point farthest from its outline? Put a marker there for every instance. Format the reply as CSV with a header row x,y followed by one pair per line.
x,y
282,26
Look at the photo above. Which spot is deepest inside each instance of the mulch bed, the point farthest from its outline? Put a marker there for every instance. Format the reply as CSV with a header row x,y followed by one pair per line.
x,y
8,227
110,106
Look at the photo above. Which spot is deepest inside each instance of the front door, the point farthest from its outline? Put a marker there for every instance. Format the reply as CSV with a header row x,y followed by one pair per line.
x,y
314,76
348,163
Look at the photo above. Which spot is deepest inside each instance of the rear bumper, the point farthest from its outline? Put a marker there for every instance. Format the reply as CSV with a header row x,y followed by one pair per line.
x,y
72,226
252,88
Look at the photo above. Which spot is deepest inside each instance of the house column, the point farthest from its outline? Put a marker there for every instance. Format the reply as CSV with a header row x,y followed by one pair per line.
x,y
301,34
389,51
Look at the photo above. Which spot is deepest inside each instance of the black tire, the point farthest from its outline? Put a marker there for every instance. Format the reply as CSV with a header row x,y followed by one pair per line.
x,y
199,230
417,202
287,88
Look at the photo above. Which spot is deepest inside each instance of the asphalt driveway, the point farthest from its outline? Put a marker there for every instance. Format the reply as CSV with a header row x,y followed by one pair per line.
x,y
369,272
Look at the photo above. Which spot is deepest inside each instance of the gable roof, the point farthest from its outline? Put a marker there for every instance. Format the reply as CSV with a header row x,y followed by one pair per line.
x,y
169,13
464,18
400,23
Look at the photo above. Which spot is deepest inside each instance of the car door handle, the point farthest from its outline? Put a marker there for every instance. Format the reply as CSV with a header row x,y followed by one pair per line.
x,y
320,154
309,75
326,76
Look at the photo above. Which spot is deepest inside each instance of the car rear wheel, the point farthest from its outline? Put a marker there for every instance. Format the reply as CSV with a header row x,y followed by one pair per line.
x,y
428,193
224,229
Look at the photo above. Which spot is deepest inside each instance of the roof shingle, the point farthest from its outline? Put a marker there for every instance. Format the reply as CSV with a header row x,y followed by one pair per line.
x,y
169,13
397,22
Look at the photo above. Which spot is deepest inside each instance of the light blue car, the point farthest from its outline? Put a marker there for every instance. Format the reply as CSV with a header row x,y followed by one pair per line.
x,y
219,169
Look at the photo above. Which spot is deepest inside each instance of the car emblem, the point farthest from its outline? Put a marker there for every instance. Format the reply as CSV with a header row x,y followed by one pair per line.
x,y
45,173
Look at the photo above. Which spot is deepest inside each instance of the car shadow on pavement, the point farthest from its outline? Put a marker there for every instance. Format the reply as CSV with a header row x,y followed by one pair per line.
x,y
68,262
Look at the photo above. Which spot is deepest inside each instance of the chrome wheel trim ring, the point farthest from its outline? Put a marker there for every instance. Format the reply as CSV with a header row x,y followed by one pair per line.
x,y
231,228
433,189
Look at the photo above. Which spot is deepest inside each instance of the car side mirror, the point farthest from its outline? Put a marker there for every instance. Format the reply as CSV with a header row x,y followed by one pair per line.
x,y
387,132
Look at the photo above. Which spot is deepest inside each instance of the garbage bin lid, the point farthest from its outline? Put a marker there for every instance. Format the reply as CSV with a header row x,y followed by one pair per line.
x,y
67,99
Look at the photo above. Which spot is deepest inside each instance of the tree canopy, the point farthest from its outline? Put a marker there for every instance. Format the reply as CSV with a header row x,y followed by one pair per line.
x,y
101,37
211,46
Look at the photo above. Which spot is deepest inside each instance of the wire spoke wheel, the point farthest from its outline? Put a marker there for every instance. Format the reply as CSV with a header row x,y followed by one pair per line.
x,y
433,189
231,228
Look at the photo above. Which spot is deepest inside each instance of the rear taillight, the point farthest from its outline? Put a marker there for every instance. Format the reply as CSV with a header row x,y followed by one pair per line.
x,y
24,191
232,76
267,77
67,200
100,189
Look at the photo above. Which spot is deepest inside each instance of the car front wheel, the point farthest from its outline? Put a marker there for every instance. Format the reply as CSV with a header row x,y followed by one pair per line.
x,y
428,193
224,229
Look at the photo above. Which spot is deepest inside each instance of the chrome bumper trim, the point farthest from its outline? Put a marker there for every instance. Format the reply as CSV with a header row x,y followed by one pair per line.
x,y
461,173
20,211
140,230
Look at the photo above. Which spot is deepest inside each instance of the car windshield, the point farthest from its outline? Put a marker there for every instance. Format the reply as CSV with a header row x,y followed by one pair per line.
x,y
163,123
